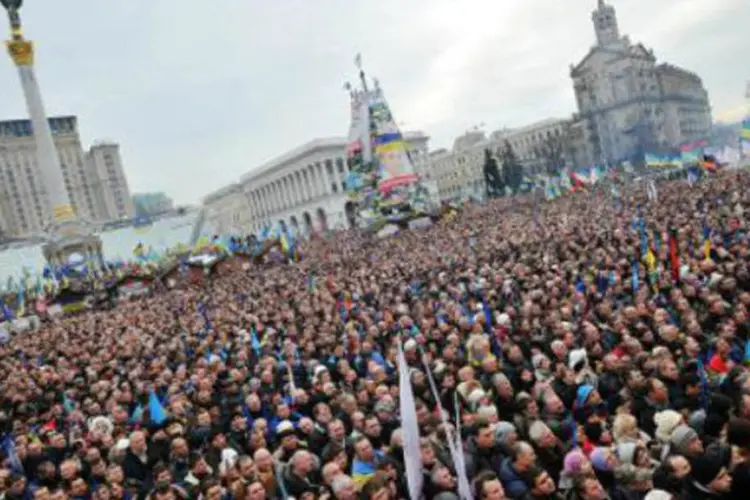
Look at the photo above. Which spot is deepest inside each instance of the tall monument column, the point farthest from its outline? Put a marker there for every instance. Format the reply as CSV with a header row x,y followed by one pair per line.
x,y
67,233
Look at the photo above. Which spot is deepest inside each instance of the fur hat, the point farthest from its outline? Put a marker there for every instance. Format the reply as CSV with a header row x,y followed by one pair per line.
x,y
666,421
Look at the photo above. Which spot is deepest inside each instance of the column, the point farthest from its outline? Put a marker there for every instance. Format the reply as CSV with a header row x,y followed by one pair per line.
x,y
250,205
280,194
256,203
266,200
306,184
271,199
314,188
287,192
295,189
48,161
277,196
283,199
320,170
330,175
298,184
293,202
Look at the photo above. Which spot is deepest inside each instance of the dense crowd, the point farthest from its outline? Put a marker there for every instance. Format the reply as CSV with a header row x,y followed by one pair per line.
x,y
573,361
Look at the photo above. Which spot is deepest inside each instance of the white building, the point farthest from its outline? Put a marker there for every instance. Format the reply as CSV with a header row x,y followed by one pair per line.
x,y
112,199
226,211
627,103
25,207
303,189
459,173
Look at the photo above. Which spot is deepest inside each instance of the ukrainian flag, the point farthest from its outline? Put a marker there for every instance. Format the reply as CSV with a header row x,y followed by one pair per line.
x,y
745,132
362,472
21,305
390,147
284,242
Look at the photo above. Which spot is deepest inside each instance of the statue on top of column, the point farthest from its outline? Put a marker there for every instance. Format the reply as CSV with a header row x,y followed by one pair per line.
x,y
13,6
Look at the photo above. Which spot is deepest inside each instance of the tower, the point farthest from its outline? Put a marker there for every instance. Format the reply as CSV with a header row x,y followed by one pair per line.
x,y
66,234
605,24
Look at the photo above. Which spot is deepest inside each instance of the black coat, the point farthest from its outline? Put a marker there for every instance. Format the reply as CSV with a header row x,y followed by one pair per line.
x,y
740,482
135,468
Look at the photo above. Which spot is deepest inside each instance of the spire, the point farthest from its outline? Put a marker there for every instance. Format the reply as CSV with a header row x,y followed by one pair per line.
x,y
605,24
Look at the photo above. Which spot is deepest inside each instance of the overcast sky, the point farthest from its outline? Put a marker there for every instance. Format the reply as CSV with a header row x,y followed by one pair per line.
x,y
200,92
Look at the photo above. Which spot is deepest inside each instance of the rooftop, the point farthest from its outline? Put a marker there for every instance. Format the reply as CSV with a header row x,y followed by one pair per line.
x,y
222,192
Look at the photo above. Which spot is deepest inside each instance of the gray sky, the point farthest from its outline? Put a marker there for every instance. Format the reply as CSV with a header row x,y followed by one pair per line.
x,y
200,92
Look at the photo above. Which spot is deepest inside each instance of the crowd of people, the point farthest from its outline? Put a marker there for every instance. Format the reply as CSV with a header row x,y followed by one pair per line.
x,y
573,358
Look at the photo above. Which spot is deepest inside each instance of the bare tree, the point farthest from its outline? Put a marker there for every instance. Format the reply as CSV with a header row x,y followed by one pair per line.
x,y
553,150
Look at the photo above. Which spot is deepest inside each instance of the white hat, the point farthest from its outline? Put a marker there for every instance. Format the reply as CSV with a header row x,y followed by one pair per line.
x,y
284,426
410,345
658,495
228,460
576,357
101,424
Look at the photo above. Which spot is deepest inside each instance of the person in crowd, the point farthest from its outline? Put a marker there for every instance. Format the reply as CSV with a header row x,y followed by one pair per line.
x,y
593,346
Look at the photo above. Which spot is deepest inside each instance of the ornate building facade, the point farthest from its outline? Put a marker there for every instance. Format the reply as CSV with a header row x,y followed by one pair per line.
x,y
459,172
628,103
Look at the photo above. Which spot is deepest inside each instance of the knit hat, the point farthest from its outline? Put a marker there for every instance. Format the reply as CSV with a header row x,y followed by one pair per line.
x,y
599,459
577,359
707,467
666,421
582,395
503,430
697,420
574,462
681,437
